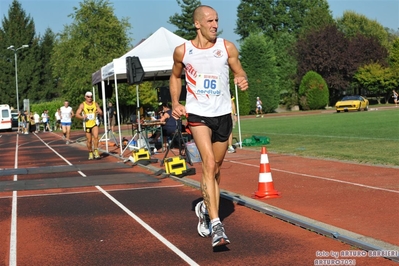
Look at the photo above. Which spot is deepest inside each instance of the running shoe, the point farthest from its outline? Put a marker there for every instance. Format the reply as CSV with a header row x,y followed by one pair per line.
x,y
231,149
96,155
91,156
204,221
67,142
219,237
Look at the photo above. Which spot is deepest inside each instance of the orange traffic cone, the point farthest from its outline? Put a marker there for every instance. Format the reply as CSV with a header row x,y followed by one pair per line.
x,y
265,185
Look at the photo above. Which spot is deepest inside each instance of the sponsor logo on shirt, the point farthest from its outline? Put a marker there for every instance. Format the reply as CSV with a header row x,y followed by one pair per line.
x,y
218,53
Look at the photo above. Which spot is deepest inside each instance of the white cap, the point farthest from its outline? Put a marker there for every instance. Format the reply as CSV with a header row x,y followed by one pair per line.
x,y
89,93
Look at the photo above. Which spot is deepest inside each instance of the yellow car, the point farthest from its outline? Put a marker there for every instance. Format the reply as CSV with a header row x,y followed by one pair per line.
x,y
352,103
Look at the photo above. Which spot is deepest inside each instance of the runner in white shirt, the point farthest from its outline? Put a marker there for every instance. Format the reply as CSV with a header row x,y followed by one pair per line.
x,y
206,61
36,117
57,119
66,120
45,120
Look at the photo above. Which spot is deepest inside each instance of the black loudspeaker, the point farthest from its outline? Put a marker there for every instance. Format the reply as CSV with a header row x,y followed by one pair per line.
x,y
108,90
164,94
134,70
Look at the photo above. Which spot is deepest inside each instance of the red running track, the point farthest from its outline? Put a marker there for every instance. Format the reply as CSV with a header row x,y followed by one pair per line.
x,y
153,223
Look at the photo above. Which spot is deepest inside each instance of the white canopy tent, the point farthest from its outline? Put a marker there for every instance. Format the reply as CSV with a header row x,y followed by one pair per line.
x,y
156,57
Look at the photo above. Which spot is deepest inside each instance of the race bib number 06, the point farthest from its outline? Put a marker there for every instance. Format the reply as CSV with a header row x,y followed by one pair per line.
x,y
207,84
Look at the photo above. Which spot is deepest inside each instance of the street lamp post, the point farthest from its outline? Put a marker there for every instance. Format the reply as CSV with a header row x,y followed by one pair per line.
x,y
16,68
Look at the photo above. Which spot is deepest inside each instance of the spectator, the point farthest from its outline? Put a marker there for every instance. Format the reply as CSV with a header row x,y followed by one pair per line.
x,y
36,118
46,121
58,119
395,97
25,124
32,124
169,128
20,123
258,109
111,115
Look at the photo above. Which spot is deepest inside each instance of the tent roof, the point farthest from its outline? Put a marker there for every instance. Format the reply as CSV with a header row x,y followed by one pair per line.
x,y
155,54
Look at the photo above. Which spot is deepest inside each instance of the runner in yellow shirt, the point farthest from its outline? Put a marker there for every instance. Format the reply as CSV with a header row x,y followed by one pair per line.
x,y
88,111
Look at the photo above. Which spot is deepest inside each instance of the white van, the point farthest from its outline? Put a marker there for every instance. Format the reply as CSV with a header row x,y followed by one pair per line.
x,y
5,117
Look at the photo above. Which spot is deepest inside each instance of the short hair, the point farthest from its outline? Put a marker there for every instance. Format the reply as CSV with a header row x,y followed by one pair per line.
x,y
197,12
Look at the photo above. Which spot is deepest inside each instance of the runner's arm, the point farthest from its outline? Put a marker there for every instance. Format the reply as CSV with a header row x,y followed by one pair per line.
x,y
240,77
175,82
79,112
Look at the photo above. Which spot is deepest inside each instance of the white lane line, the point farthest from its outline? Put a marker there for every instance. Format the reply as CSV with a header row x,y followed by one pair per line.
x,y
149,229
320,177
177,251
13,233
48,146
13,228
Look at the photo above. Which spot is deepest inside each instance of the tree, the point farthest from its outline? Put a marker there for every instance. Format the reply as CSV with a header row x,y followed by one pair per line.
x,y
394,54
259,62
313,92
18,29
378,80
352,24
147,95
94,38
318,17
365,50
48,85
184,21
336,58
324,51
392,34
286,68
254,16
272,17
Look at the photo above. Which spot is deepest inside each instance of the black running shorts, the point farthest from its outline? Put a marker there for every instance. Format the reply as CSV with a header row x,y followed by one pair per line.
x,y
221,126
89,129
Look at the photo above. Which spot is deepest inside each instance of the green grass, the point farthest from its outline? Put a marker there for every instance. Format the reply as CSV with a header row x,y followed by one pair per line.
x,y
365,137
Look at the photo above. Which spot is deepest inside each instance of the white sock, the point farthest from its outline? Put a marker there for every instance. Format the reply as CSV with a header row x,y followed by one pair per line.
x,y
215,222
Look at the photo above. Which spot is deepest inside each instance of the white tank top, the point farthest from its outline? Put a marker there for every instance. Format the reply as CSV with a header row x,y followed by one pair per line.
x,y
207,80
66,114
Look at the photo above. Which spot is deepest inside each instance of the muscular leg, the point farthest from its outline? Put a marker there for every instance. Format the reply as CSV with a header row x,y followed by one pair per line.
x,y
68,131
212,158
89,141
94,133
64,131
